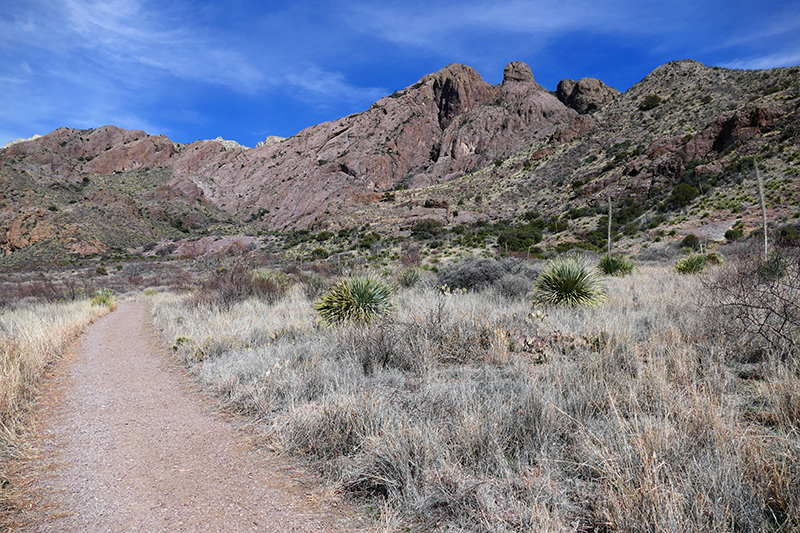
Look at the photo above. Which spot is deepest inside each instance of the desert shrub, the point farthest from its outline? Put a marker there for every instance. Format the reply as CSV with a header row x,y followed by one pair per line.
x,y
691,264
734,234
410,276
270,285
616,265
313,284
683,194
570,282
520,238
513,286
357,299
426,228
105,298
651,101
369,239
233,283
757,301
691,241
478,273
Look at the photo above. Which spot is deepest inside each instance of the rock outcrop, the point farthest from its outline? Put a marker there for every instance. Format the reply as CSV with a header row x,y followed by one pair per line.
x,y
585,95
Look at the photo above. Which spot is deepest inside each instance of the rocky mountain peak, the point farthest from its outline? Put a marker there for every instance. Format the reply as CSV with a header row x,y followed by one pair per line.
x,y
456,89
517,72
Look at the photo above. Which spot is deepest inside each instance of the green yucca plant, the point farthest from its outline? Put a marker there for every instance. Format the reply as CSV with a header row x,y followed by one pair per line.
x,y
357,299
571,282
616,265
691,264
410,276
104,297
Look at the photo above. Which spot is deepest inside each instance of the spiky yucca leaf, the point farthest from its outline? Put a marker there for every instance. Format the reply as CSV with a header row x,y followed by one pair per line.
x,y
357,299
571,282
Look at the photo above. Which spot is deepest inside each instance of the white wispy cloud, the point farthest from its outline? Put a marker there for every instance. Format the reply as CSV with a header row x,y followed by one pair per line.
x,y
441,23
765,62
320,86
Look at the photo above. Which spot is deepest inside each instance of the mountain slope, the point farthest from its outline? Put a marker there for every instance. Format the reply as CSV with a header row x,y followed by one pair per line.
x,y
466,149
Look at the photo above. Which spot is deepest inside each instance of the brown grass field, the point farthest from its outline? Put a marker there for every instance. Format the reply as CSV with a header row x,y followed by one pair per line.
x,y
474,411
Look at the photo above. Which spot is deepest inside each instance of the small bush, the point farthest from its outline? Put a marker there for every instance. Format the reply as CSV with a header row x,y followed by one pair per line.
x,y
105,298
570,282
479,273
691,241
691,264
513,286
651,101
357,299
683,194
757,302
410,276
313,285
270,285
734,234
426,228
616,265
235,283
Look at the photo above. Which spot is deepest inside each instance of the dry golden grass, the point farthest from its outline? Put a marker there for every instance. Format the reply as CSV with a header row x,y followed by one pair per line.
x,y
33,338
468,411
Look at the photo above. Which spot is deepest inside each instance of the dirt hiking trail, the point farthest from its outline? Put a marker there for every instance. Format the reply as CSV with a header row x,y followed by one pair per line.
x,y
131,445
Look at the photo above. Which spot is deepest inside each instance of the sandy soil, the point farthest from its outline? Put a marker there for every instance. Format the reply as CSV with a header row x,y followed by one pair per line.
x,y
131,445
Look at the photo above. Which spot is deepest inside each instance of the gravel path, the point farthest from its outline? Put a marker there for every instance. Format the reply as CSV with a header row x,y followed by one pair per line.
x,y
131,446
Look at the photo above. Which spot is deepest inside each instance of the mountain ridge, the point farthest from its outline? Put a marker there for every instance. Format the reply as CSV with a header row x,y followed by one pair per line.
x,y
446,138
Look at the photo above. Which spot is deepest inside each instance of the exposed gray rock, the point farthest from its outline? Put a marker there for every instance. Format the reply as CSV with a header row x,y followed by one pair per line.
x,y
17,141
585,95
270,140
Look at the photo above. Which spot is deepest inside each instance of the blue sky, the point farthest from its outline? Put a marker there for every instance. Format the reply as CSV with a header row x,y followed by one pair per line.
x,y
245,69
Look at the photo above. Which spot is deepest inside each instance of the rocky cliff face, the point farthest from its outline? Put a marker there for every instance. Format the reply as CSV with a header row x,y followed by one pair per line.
x,y
447,138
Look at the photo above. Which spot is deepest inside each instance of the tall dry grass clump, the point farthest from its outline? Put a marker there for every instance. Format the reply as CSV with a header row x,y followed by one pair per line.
x,y
479,413
32,339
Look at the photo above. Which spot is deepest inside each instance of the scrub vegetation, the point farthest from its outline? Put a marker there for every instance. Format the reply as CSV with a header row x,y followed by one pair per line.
x,y
474,409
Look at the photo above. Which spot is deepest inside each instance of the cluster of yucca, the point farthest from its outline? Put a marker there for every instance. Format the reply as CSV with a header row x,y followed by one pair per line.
x,y
357,300
105,298
570,282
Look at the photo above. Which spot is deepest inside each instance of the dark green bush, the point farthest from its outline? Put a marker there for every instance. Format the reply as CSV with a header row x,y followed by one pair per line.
x,y
426,228
734,234
691,241
683,194
651,101
691,264
369,239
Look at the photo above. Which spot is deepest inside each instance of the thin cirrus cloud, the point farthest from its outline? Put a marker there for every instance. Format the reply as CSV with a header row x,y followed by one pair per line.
x,y
201,69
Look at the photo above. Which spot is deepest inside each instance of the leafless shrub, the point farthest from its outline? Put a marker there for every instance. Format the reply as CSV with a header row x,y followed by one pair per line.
x,y
513,286
756,302
234,282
